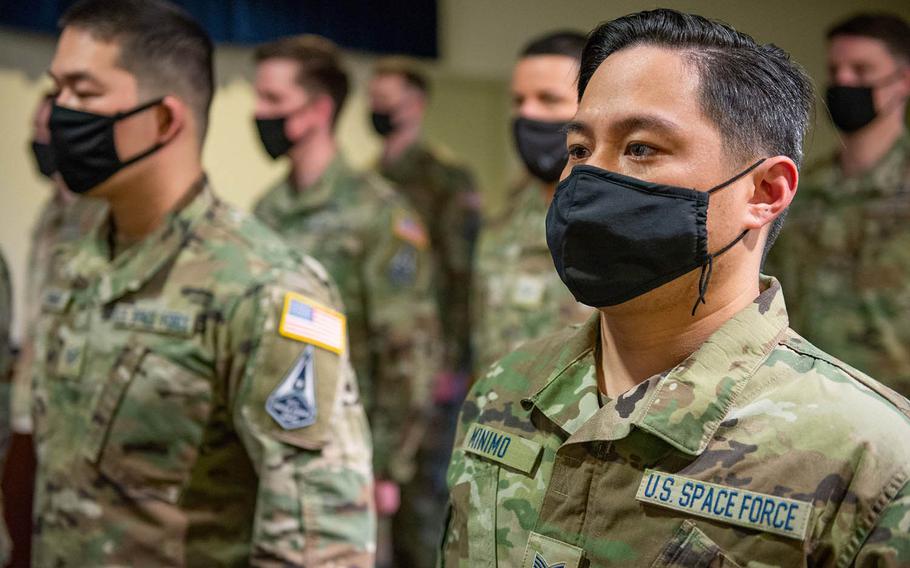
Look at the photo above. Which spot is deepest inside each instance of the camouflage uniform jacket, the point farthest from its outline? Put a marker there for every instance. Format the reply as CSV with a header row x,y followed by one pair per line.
x,y
446,198
517,293
845,260
188,409
757,450
59,222
377,251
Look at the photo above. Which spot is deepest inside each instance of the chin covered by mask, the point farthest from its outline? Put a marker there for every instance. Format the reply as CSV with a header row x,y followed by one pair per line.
x,y
542,147
614,237
84,146
272,136
44,158
382,123
851,107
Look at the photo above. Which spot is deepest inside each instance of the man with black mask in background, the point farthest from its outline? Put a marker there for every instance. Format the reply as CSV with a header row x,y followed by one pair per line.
x,y
517,293
844,259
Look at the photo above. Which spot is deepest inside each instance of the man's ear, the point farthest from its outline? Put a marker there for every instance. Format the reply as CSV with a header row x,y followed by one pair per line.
x,y
775,187
173,116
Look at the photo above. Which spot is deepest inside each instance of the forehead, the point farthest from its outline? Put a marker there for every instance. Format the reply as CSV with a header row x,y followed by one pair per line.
x,y
277,70
78,51
552,72
644,79
847,47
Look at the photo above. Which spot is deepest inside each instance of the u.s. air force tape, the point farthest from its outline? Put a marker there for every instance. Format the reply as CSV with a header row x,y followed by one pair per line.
x,y
508,449
760,511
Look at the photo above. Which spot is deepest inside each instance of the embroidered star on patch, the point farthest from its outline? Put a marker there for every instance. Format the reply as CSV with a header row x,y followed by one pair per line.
x,y
540,562
293,403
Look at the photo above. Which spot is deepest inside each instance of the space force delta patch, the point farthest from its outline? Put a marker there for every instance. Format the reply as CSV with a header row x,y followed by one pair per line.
x,y
760,511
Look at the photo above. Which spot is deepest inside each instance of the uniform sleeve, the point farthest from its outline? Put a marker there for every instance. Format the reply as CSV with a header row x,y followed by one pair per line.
x,y
404,339
297,411
460,223
888,544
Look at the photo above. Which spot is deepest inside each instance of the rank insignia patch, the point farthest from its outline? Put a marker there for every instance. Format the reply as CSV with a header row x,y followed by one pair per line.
x,y
539,562
293,403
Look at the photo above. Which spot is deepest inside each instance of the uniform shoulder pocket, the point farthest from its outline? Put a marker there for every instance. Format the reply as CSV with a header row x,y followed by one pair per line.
x,y
689,547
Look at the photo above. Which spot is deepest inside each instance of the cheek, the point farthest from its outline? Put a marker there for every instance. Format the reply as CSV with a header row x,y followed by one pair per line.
x,y
135,134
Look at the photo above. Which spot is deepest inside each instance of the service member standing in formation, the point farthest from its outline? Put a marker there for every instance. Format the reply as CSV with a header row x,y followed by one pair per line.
x,y
685,424
845,258
373,245
517,294
193,399
445,196
64,217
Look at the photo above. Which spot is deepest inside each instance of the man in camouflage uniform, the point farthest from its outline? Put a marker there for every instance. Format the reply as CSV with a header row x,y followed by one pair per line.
x,y
446,198
372,244
659,435
845,259
517,293
64,218
193,398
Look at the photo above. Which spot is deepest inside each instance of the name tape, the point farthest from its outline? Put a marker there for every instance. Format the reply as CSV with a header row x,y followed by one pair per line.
x,y
508,449
769,513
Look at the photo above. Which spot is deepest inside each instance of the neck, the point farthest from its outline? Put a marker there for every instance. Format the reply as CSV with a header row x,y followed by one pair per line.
x,y
647,336
398,141
311,157
548,190
864,148
139,209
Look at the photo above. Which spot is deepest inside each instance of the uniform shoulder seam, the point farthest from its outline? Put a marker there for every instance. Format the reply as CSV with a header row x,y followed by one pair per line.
x,y
889,491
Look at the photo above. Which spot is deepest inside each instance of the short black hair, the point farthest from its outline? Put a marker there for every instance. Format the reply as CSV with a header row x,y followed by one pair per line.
x,y
405,67
160,44
890,29
566,42
320,70
760,100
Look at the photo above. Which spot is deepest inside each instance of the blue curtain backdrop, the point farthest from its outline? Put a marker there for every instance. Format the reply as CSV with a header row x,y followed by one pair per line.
x,y
377,26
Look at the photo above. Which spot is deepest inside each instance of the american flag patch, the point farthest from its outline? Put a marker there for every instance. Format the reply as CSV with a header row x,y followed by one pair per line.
x,y
311,322
410,230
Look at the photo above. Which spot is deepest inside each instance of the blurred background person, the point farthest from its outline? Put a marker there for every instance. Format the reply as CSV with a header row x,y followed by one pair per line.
x,y
518,294
445,196
373,244
845,255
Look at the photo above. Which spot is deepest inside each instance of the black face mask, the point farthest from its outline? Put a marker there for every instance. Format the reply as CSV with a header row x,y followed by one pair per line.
x,y
851,107
614,238
542,147
44,158
84,146
382,123
271,133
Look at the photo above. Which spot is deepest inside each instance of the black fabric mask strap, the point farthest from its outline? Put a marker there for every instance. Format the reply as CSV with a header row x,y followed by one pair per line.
x,y
708,268
138,109
737,177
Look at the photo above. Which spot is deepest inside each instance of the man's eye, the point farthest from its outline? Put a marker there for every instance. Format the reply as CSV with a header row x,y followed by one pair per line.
x,y
577,152
639,150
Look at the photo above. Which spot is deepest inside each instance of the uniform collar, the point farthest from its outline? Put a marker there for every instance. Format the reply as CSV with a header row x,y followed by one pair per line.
x,y
887,177
138,264
285,200
684,406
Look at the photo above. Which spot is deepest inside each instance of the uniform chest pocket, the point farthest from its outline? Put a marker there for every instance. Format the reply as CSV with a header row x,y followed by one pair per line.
x,y
471,532
148,423
691,548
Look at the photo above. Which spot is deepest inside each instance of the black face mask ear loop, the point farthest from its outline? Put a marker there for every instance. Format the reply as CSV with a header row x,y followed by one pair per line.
x,y
708,267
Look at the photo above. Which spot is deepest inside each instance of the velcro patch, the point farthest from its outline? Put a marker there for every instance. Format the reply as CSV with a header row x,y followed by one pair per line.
x,y
760,511
410,230
55,300
508,449
309,321
155,319
293,404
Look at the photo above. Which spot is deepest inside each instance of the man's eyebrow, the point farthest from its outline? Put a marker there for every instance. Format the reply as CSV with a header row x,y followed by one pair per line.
x,y
645,122
73,77
576,127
